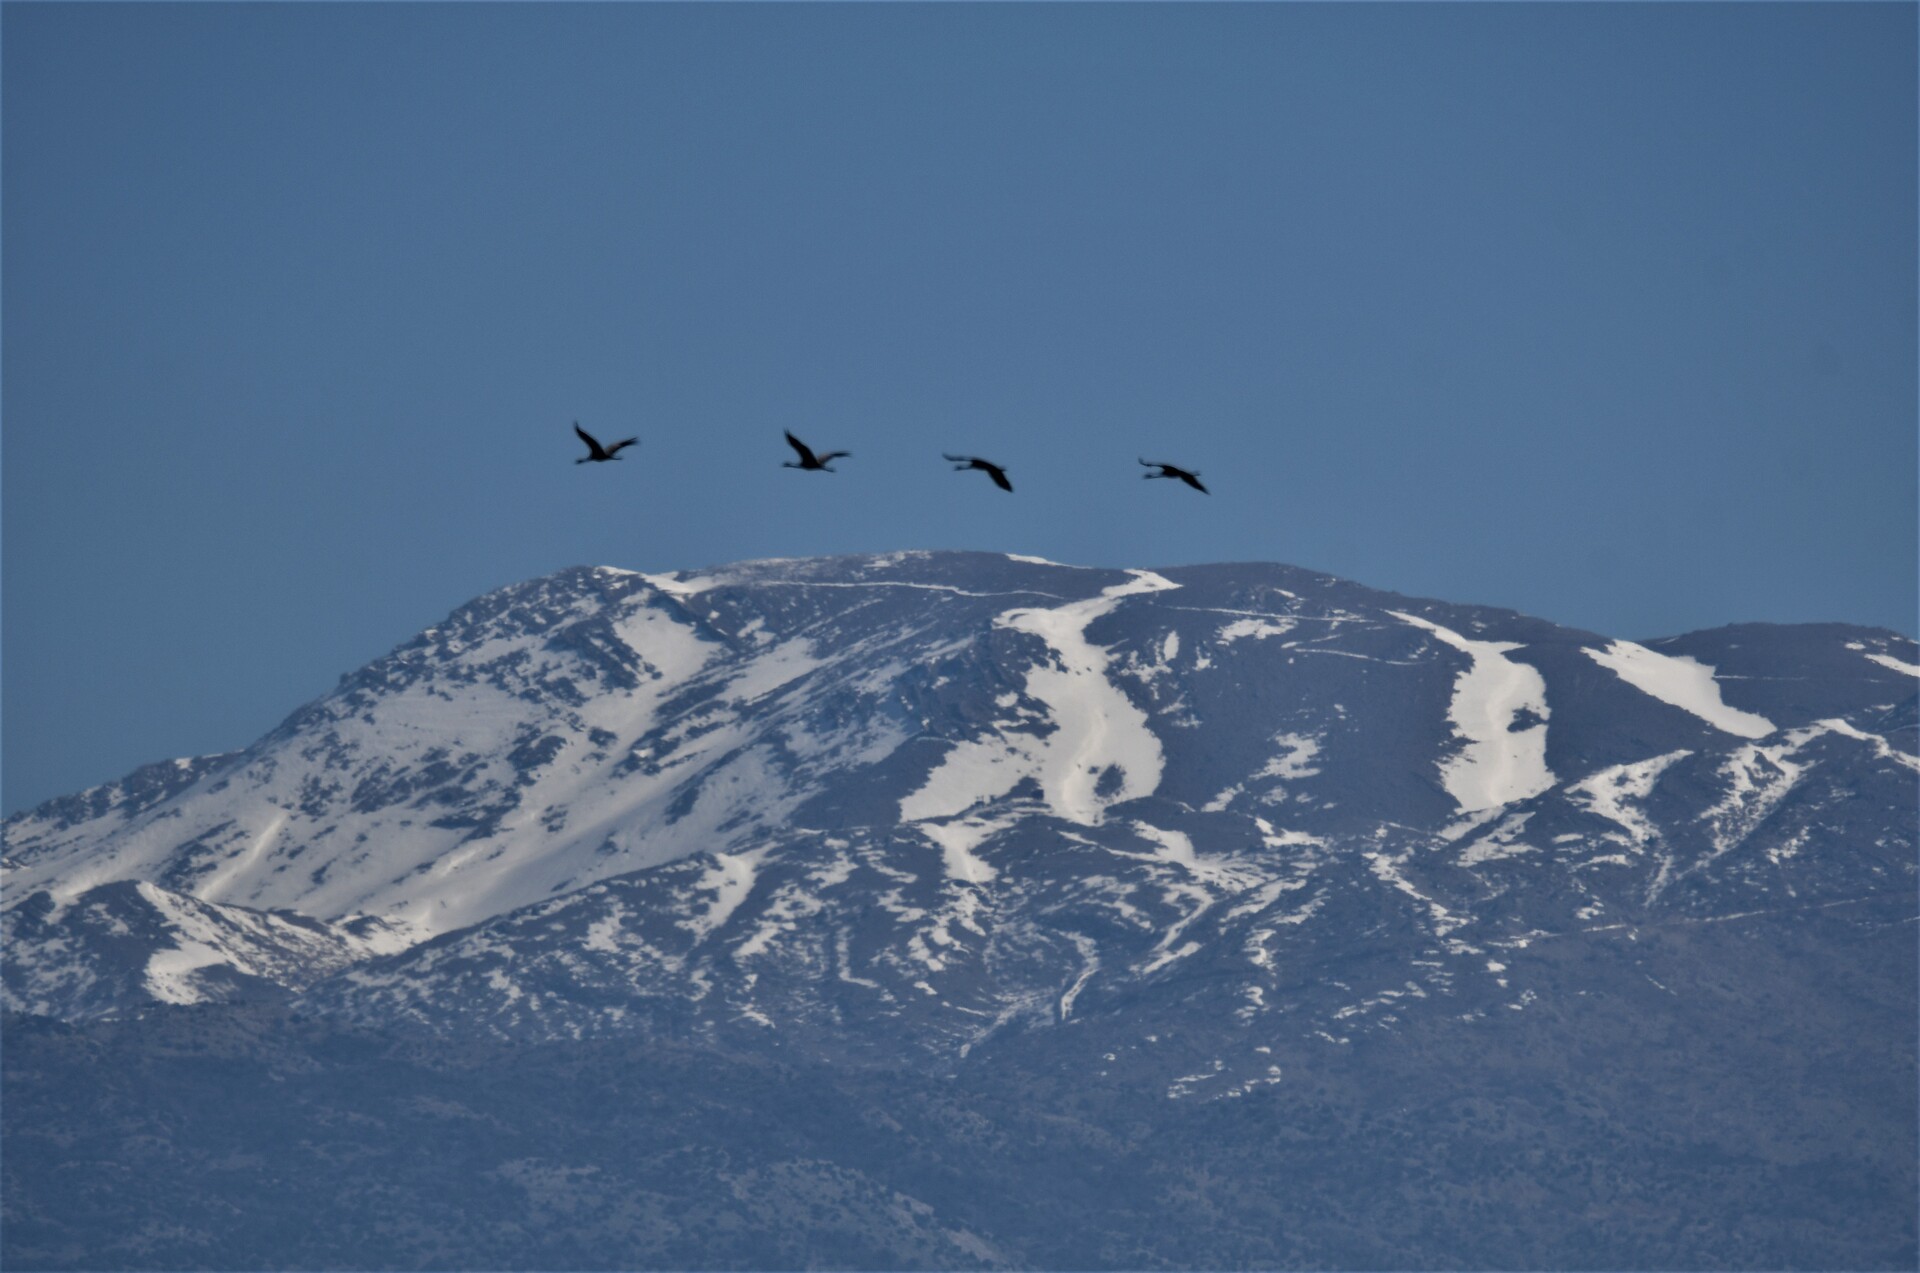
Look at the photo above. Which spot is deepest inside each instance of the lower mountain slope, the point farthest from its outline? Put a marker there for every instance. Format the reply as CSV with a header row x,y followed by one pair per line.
x,y
1729,1095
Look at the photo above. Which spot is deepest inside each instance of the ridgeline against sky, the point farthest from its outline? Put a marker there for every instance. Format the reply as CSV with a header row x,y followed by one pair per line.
x,y
1604,313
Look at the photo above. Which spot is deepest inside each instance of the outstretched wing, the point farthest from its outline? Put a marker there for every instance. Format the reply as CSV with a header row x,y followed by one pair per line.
x,y
806,455
1193,481
992,470
615,448
588,438
834,455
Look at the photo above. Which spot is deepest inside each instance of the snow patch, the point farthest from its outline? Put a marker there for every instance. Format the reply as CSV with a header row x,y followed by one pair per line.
x,y
214,890
729,879
676,586
1881,747
603,933
957,840
1293,763
1680,681
1258,629
1499,764
1500,843
1608,793
1042,561
1097,729
1386,868
1887,660
1090,964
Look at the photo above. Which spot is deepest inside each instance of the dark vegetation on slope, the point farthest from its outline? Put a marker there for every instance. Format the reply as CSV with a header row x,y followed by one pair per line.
x,y
1757,1112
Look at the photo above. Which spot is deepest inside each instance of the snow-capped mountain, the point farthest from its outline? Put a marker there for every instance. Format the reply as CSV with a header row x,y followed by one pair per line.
x,y
903,806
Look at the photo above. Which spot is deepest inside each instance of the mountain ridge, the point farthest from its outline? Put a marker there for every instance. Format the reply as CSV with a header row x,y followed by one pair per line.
x,y
152,774
935,797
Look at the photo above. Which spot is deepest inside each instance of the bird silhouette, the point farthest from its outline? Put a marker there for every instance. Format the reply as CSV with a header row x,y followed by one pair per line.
x,y
596,452
961,463
1170,470
808,460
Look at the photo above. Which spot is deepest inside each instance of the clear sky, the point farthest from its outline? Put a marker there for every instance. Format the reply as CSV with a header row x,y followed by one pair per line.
x,y
1601,312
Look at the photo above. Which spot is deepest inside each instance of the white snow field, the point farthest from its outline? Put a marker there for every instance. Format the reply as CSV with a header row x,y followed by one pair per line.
x,y
1499,764
1097,728
1681,681
1888,661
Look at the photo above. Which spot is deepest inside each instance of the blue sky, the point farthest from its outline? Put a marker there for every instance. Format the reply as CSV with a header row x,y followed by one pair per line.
x,y
1605,313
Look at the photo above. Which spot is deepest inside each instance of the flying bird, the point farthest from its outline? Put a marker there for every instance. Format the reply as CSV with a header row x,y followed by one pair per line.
x,y
1170,470
961,463
596,452
808,460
